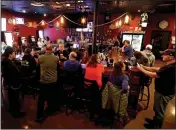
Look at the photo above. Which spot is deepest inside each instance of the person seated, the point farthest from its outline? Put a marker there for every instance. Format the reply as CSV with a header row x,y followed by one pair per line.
x,y
94,70
127,49
61,53
149,54
117,76
72,65
115,93
139,58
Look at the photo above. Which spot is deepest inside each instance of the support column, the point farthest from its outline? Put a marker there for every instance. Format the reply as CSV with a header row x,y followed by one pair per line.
x,y
95,28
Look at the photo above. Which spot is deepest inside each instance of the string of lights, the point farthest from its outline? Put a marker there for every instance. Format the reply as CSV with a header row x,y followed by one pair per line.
x,y
83,21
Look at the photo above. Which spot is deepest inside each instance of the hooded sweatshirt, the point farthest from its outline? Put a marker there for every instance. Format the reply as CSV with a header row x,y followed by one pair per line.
x,y
148,54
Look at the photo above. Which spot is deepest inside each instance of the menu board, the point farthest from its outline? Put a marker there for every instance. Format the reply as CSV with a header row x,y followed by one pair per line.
x,y
127,37
137,42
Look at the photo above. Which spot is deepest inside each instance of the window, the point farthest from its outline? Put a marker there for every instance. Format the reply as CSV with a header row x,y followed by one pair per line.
x,y
3,24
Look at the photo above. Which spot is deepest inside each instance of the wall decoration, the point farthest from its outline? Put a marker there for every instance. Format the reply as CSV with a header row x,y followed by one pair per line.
x,y
173,40
163,24
143,20
16,29
10,21
51,25
34,24
29,24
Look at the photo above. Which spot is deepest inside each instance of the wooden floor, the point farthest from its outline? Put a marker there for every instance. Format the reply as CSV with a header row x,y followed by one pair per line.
x,y
76,120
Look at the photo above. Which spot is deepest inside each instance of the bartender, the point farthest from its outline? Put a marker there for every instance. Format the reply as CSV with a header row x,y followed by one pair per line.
x,y
61,53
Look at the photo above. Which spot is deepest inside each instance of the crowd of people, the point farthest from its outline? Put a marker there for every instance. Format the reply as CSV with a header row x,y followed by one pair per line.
x,y
48,65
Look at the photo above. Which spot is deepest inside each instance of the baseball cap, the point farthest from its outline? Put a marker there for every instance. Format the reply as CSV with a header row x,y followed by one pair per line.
x,y
149,47
8,50
170,52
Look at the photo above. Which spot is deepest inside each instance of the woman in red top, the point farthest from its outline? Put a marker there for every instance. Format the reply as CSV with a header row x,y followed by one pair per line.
x,y
94,70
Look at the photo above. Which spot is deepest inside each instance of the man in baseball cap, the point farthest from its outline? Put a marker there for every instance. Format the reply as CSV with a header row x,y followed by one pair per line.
x,y
169,52
164,87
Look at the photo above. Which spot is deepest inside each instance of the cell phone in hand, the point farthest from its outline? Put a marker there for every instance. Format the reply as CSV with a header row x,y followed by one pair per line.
x,y
138,64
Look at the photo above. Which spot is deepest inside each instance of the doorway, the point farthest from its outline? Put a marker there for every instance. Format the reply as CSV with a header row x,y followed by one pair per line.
x,y
160,41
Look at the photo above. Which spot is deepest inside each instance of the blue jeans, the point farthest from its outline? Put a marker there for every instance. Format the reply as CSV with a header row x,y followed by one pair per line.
x,y
160,104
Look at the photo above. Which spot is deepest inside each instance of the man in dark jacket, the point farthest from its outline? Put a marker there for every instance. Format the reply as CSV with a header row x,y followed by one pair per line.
x,y
11,75
164,87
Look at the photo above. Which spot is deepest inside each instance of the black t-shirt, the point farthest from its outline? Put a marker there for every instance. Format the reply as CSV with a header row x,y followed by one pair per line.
x,y
165,84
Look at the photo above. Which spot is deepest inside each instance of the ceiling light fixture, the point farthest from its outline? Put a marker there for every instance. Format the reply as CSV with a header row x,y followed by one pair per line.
x,y
83,20
44,15
67,5
43,23
127,19
86,6
120,23
117,24
62,20
139,10
24,11
35,12
38,4
57,3
80,1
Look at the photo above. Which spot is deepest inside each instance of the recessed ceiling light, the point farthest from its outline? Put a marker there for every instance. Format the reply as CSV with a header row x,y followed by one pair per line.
x,y
86,6
44,15
24,11
37,4
67,5
57,3
139,10
35,12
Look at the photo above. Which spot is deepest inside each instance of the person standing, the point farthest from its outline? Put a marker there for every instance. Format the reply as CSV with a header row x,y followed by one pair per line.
x,y
48,80
164,87
40,43
62,53
149,55
127,49
11,75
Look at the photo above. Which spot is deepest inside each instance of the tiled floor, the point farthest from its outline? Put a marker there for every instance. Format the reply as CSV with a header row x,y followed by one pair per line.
x,y
76,120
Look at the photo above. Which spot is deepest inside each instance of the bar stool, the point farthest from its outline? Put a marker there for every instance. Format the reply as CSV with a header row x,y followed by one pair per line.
x,y
147,85
69,86
69,96
89,97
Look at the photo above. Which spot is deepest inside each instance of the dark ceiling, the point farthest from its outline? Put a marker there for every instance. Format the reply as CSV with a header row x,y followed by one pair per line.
x,y
53,7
